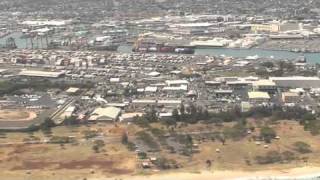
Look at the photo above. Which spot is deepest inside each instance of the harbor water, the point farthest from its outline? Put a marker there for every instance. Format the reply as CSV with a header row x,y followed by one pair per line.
x,y
236,53
243,53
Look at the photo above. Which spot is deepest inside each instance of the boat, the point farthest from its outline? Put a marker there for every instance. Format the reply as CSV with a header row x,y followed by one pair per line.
x,y
214,43
255,57
146,47
104,43
301,59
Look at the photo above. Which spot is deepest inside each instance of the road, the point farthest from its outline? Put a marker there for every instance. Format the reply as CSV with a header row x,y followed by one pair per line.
x,y
56,115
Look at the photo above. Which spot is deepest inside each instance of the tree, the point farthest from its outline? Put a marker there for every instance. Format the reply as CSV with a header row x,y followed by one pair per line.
x,y
47,124
302,147
236,132
206,114
141,121
269,158
97,145
151,115
273,156
193,110
71,120
261,72
288,156
95,148
268,64
182,110
90,134
189,141
175,115
148,140
124,138
142,155
61,140
163,163
267,134
209,163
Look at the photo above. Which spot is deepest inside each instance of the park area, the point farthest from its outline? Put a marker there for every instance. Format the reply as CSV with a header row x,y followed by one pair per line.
x,y
31,155
98,150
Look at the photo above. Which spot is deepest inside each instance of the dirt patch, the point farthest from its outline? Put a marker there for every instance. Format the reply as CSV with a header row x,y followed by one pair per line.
x,y
84,164
17,115
104,165
117,130
18,150
32,165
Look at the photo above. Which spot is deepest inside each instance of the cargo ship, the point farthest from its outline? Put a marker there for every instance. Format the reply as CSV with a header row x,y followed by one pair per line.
x,y
162,48
105,43
144,46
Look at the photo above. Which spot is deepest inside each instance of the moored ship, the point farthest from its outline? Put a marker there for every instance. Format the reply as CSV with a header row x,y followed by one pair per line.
x,y
104,43
145,46
162,48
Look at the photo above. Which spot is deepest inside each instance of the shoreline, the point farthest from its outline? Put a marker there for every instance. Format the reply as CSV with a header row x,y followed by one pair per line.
x,y
301,173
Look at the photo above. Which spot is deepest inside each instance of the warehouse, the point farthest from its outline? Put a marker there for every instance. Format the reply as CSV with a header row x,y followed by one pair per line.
x,y
177,82
290,97
264,85
42,74
258,97
108,114
297,82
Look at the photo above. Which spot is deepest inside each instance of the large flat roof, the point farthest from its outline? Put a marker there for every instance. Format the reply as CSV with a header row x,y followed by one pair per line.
x,y
290,78
264,82
297,81
3,70
174,82
111,112
258,95
41,73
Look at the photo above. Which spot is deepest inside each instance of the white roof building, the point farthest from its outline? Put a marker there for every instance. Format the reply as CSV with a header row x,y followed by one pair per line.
x,y
177,82
297,81
174,88
46,23
130,116
105,114
49,74
154,74
258,95
72,90
114,80
150,89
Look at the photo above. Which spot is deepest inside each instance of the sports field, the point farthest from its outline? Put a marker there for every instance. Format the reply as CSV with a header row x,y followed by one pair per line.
x,y
17,115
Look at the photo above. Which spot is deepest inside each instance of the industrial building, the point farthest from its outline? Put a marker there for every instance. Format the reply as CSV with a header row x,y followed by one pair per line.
x,y
42,74
296,82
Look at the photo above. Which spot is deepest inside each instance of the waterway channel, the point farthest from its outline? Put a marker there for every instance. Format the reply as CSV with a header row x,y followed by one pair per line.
x,y
236,53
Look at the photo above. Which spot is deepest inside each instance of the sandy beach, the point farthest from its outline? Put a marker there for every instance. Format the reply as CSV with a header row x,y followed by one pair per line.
x,y
296,173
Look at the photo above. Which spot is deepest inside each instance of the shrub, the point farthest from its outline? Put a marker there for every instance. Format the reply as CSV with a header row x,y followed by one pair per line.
x,y
267,134
61,140
302,147
288,156
270,158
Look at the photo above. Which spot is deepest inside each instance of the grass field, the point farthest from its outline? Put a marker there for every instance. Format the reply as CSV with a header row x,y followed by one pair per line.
x,y
53,161
234,154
